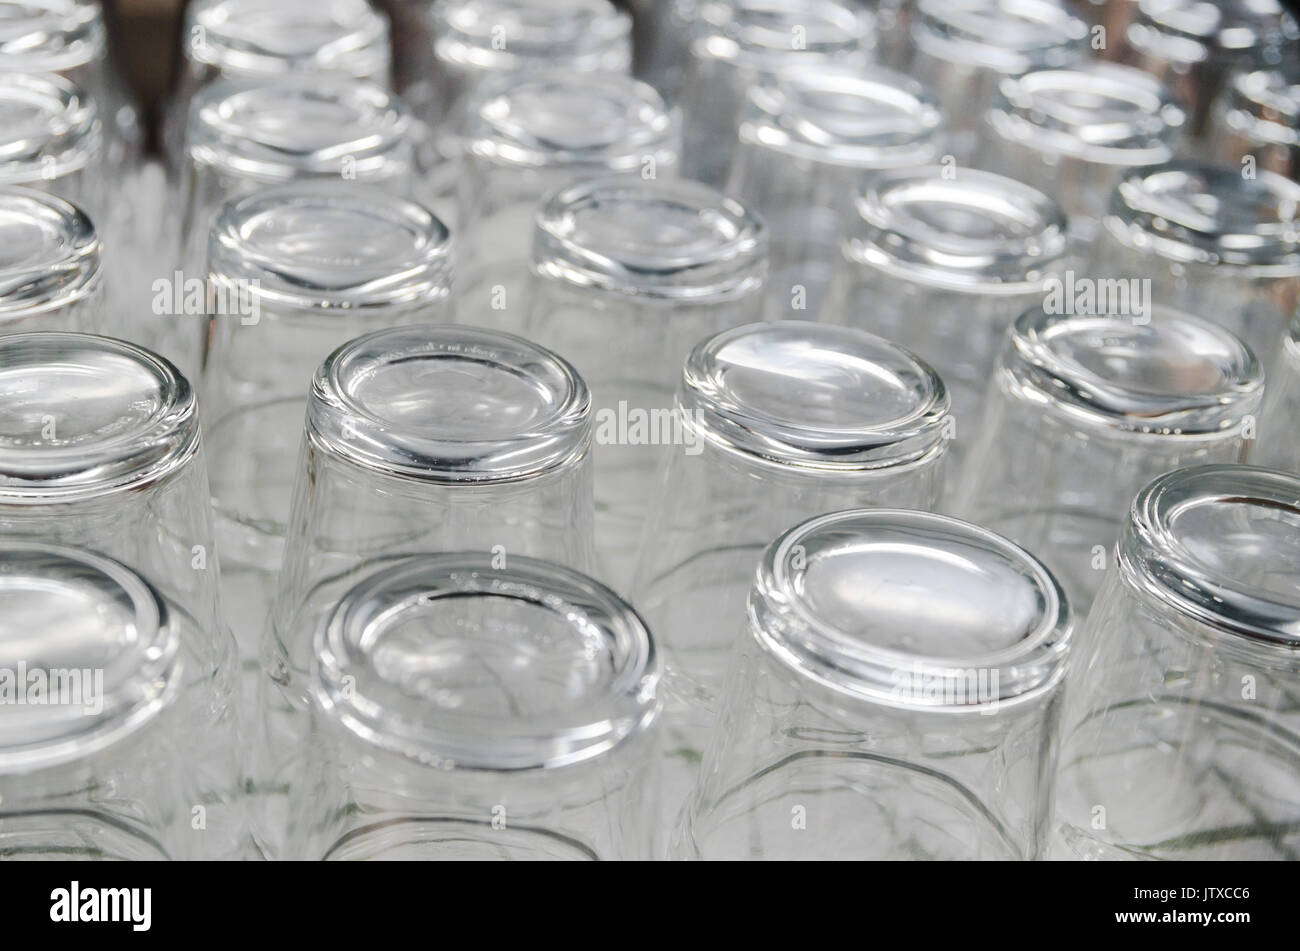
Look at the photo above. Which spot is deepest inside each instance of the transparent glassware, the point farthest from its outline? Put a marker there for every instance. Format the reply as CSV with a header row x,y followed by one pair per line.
x,y
256,41
51,268
961,49
466,711
529,135
1258,115
1193,47
1211,242
735,44
429,438
1072,132
51,139
295,271
628,276
68,37
788,420
807,139
1083,411
1278,442
942,264
100,448
1179,737
242,138
102,763
897,697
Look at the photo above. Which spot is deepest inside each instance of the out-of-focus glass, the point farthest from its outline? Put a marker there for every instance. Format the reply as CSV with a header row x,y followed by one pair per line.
x,y
100,448
50,138
807,140
962,49
627,277
736,44
786,420
526,136
1085,410
257,41
1212,242
463,710
1278,441
420,439
1180,737
1070,133
295,271
50,265
897,697
1194,47
1258,116
102,762
943,264
662,31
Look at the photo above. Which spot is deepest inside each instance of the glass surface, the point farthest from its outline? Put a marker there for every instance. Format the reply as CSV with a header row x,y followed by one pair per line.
x,y
1258,115
51,139
1278,444
51,271
467,711
1180,737
896,697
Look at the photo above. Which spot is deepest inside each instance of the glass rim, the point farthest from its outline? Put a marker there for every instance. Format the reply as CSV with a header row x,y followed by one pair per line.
x,y
1049,34
1183,31
1157,562
1263,105
886,236
341,423
138,682
418,271
359,46
740,32
65,139
589,35
726,260
783,115
730,421
351,693
66,270
819,650
121,458
58,36
1040,371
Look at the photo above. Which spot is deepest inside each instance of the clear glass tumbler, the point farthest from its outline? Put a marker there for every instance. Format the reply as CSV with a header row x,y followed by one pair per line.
x,y
100,757
1180,737
736,44
897,697
1194,47
962,49
51,269
1085,410
463,710
627,277
1256,120
942,262
786,420
1212,242
295,271
428,438
807,140
1071,132
529,135
51,139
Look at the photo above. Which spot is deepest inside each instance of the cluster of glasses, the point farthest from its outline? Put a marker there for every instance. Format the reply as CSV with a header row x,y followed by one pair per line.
x,y
707,429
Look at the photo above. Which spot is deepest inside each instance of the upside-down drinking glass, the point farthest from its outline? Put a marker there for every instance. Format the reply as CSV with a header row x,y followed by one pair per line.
x,y
943,264
896,697
1212,241
738,43
295,271
1180,737
527,136
428,438
50,267
807,140
962,49
1071,132
1257,120
464,710
786,420
1085,410
106,761
627,277
51,139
